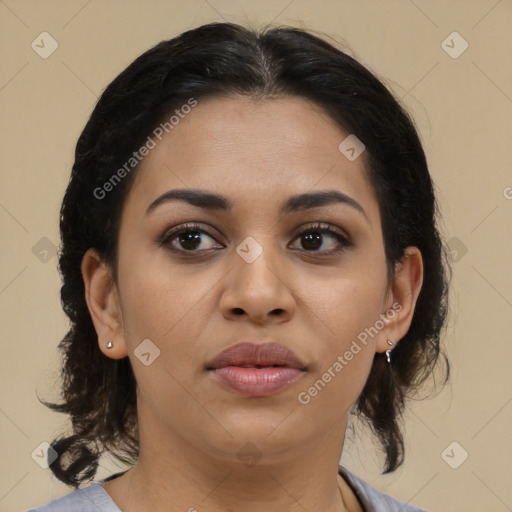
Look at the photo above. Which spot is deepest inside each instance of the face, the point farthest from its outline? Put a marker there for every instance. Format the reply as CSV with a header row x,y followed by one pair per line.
x,y
251,272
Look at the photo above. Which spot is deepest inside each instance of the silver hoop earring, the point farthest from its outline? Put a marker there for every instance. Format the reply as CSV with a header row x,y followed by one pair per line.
x,y
388,351
110,344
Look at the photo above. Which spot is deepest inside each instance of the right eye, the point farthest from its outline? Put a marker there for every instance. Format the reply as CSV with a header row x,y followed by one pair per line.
x,y
188,236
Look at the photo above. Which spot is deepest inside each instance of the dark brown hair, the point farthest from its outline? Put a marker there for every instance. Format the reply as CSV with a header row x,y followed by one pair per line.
x,y
222,59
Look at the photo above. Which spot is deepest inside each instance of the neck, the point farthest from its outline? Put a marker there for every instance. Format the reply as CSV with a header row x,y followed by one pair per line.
x,y
172,470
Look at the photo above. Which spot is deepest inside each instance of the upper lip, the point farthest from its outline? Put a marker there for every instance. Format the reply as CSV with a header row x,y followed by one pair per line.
x,y
249,353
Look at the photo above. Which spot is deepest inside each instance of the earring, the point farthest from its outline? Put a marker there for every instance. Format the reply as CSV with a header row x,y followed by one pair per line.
x,y
110,344
388,351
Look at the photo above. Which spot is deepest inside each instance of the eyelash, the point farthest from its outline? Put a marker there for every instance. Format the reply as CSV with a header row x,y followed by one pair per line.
x,y
318,227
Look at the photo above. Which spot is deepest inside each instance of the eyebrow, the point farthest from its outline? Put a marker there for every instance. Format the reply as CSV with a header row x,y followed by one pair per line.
x,y
210,201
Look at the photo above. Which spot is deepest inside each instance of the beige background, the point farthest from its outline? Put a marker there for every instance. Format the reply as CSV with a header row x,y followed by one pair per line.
x,y
463,109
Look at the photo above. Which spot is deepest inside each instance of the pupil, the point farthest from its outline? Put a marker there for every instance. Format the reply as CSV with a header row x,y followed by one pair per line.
x,y
193,237
314,238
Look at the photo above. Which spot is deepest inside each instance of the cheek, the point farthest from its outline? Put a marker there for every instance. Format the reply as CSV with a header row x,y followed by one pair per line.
x,y
168,309
348,305
345,355
171,307
347,312
160,300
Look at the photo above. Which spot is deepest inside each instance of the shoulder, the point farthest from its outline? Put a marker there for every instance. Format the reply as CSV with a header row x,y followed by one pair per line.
x,y
372,499
89,499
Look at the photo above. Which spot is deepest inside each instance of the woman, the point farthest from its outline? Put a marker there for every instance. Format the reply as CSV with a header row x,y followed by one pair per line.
x,y
249,255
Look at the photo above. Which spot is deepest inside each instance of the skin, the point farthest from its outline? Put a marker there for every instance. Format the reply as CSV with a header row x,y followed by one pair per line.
x,y
257,153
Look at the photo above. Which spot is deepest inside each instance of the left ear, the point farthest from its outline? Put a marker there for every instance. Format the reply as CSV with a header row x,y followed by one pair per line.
x,y
402,297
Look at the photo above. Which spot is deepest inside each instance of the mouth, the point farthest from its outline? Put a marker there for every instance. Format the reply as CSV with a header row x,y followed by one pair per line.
x,y
258,370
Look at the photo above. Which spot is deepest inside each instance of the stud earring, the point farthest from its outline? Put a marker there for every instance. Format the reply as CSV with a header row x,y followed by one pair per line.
x,y
110,344
388,351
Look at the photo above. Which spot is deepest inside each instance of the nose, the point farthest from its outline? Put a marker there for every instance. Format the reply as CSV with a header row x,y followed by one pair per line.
x,y
258,291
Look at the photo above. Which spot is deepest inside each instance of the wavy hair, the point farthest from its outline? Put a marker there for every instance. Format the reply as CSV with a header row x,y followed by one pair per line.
x,y
219,59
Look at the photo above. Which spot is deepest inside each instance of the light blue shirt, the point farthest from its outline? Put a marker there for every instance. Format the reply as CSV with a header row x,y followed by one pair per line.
x,y
94,498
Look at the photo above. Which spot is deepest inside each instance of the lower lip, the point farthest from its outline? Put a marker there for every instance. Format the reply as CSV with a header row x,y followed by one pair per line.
x,y
256,381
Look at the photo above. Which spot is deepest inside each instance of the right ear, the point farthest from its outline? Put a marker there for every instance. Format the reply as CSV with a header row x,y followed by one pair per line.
x,y
103,303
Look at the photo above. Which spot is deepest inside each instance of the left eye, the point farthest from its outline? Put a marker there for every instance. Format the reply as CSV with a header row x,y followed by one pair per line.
x,y
313,238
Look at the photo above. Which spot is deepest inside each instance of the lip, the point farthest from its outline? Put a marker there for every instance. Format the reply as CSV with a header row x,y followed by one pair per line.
x,y
274,367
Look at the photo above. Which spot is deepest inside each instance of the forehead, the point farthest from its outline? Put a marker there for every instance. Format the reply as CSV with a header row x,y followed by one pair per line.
x,y
257,152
